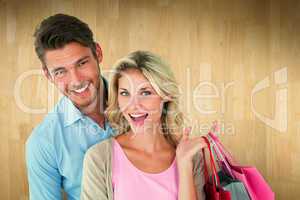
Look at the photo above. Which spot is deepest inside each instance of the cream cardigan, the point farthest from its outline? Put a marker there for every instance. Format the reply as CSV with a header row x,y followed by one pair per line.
x,y
97,173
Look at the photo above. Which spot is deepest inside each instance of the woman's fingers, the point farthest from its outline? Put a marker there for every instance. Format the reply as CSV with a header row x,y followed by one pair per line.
x,y
200,141
188,147
186,133
197,144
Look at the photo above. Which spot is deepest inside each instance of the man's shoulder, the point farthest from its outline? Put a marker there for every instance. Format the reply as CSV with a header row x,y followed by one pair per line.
x,y
50,125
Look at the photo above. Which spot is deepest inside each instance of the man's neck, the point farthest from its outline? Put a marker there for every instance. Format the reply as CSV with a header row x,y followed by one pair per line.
x,y
98,118
95,111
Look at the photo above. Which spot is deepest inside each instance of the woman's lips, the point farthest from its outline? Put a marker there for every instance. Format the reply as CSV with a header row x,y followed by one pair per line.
x,y
138,119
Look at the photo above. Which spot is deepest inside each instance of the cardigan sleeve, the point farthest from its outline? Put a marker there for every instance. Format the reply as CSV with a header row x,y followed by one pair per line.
x,y
94,177
198,173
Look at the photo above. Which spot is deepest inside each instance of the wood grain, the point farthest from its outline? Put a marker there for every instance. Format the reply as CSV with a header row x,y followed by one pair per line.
x,y
217,48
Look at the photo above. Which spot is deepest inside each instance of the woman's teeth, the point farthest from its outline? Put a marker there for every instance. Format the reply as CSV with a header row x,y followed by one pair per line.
x,y
138,116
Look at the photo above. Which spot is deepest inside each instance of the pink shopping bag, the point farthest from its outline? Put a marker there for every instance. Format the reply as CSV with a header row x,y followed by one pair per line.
x,y
253,181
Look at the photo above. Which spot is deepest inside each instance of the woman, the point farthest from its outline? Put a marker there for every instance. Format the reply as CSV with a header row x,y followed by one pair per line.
x,y
149,159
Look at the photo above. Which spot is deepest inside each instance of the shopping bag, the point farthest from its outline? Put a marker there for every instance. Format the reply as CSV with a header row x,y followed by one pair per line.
x,y
213,189
221,186
256,186
236,187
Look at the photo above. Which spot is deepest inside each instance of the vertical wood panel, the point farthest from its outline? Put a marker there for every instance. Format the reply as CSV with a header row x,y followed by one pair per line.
x,y
232,44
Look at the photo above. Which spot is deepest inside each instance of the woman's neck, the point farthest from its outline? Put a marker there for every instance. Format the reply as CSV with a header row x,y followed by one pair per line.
x,y
148,142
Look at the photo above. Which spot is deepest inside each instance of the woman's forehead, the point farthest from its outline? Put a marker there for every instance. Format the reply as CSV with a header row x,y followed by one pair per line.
x,y
133,78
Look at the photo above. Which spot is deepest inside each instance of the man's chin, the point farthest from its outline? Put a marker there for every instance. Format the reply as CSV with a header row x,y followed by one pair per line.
x,y
80,103
86,106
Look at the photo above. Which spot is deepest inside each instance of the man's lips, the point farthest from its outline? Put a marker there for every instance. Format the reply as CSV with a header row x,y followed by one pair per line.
x,y
81,90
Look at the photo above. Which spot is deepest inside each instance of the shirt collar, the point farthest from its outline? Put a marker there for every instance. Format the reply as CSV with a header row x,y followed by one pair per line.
x,y
69,111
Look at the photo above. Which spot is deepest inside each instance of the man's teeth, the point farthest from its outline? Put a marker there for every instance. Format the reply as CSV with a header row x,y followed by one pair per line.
x,y
82,89
137,115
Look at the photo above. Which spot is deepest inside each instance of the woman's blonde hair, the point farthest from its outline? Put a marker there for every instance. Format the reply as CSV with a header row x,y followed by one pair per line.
x,y
162,80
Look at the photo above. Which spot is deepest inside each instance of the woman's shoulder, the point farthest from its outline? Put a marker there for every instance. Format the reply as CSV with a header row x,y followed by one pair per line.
x,y
99,152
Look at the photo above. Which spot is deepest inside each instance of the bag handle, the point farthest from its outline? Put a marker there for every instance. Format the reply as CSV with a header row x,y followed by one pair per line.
x,y
220,157
222,149
215,179
211,134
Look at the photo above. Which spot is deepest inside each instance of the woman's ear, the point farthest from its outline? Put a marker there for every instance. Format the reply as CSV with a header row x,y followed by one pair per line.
x,y
167,99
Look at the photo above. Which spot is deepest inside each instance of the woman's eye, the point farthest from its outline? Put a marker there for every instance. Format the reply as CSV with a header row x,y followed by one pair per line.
x,y
124,93
146,93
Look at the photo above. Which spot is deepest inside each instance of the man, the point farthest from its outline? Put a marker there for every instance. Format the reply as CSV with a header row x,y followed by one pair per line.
x,y
55,150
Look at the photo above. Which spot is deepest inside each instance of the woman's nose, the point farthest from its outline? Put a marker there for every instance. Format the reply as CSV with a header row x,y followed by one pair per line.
x,y
136,102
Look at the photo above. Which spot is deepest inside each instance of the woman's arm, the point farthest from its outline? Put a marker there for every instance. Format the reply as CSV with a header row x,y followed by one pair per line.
x,y
190,168
187,189
93,185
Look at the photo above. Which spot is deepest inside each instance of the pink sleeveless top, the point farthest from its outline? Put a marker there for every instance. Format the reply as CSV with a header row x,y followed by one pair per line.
x,y
130,183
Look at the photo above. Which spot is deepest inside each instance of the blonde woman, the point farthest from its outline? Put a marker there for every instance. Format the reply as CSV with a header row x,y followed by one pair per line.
x,y
150,158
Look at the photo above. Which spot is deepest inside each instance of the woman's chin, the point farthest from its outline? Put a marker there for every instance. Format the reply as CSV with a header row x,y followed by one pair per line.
x,y
137,129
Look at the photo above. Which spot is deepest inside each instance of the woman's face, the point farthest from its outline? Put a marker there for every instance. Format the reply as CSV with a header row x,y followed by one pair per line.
x,y
139,102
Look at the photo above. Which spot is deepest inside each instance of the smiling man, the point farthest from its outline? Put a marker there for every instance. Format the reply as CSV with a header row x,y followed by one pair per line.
x,y
55,150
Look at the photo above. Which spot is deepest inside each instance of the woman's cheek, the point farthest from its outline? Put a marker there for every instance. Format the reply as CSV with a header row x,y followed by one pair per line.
x,y
155,107
123,103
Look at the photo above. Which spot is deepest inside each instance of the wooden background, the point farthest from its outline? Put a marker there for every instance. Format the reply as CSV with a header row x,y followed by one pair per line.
x,y
221,48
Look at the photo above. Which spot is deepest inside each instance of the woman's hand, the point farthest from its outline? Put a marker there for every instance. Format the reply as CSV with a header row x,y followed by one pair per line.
x,y
185,151
187,148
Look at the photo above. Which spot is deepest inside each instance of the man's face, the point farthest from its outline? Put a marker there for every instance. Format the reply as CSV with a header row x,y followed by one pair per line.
x,y
75,72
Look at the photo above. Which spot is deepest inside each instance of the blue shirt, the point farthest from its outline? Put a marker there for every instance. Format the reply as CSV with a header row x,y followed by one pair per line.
x,y
55,151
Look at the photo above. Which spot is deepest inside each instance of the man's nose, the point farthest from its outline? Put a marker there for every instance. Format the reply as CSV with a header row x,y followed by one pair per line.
x,y
75,78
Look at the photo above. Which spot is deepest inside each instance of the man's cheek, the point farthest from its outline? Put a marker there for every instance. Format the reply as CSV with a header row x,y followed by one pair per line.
x,y
62,87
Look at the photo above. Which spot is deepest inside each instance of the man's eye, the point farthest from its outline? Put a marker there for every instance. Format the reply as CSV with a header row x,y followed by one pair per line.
x,y
59,73
82,63
146,93
123,93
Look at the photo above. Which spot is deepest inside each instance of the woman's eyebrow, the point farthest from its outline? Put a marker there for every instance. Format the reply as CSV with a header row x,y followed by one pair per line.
x,y
145,88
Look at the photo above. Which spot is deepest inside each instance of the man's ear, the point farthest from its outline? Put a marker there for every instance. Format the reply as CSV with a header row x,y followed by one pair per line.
x,y
47,74
99,53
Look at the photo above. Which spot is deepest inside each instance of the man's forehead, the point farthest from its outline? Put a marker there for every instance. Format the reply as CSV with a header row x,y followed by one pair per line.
x,y
67,55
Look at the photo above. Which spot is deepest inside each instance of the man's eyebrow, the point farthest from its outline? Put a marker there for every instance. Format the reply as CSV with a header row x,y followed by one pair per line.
x,y
76,63
81,59
57,69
